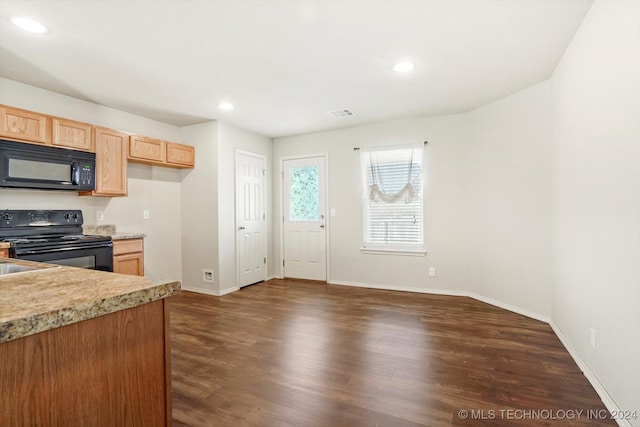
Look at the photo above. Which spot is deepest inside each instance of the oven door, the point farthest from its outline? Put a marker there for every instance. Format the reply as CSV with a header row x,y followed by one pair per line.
x,y
95,257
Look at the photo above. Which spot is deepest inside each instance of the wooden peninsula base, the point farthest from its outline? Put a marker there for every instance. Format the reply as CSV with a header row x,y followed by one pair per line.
x,y
111,370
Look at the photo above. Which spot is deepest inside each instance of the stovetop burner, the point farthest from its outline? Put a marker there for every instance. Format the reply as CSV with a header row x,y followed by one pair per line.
x,y
44,228
16,241
55,237
23,240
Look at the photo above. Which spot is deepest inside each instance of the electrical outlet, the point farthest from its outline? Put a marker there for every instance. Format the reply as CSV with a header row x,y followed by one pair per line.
x,y
146,214
99,215
592,338
207,276
432,272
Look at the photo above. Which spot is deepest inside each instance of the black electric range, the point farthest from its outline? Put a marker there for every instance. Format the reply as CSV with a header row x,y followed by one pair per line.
x,y
55,237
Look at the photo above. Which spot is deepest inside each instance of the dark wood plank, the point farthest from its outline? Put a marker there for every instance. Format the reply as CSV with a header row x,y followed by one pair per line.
x,y
299,353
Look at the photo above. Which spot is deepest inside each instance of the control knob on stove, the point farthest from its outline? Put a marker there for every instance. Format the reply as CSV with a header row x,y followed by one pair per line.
x,y
6,217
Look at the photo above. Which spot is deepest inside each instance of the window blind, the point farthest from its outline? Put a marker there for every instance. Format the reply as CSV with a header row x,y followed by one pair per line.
x,y
393,203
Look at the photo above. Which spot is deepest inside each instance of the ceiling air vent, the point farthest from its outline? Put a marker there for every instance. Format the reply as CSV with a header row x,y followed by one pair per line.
x,y
341,113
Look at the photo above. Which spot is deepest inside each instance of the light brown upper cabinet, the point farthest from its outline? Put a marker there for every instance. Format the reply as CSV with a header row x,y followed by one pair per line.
x,y
71,134
113,149
111,163
24,125
152,151
146,150
180,155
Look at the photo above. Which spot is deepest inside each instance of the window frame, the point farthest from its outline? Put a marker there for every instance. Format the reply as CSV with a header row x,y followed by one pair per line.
x,y
379,248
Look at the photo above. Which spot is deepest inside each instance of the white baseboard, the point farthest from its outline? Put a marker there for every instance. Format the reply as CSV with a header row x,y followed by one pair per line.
x,y
599,388
482,298
209,291
593,380
228,291
399,288
510,307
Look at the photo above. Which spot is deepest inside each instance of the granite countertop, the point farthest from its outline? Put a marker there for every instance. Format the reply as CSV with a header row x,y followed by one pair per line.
x,y
110,230
126,236
37,301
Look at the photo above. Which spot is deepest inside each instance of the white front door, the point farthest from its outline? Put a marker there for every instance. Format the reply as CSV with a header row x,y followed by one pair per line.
x,y
305,255
250,218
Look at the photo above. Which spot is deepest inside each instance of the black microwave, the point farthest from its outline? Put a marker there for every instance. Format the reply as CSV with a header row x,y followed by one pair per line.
x,y
49,168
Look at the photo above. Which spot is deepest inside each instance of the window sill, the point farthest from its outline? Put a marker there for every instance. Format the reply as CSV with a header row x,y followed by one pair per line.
x,y
389,251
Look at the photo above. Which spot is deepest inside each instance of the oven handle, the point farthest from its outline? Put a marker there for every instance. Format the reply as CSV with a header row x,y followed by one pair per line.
x,y
50,249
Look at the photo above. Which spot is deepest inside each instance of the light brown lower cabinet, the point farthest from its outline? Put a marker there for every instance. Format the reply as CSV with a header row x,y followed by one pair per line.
x,y
112,370
128,257
4,252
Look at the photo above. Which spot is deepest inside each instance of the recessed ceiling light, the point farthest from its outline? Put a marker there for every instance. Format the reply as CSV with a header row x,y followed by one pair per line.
x,y
29,24
225,106
403,67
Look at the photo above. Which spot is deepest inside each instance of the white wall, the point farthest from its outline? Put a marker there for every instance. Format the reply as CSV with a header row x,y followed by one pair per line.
x,y
532,201
199,205
487,202
596,173
208,204
153,188
444,215
508,206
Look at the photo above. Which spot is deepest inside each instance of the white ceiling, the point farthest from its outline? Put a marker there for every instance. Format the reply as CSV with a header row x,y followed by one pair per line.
x,y
285,64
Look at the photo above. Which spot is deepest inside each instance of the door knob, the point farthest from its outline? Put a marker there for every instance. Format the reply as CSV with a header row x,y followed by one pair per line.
x,y
321,225
241,227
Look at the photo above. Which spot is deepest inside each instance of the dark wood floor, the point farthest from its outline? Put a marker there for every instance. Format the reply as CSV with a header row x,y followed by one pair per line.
x,y
297,353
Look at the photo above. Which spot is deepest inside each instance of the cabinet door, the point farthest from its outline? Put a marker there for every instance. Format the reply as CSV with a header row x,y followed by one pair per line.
x,y
24,125
4,253
111,370
111,163
70,134
128,257
180,155
132,264
146,149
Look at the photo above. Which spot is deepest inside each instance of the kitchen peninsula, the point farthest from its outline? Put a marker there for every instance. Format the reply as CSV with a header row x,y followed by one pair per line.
x,y
83,347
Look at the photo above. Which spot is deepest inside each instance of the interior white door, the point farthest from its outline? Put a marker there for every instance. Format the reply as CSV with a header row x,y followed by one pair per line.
x,y
250,218
305,254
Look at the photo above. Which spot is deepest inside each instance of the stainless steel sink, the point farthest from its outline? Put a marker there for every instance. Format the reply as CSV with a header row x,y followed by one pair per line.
x,y
9,268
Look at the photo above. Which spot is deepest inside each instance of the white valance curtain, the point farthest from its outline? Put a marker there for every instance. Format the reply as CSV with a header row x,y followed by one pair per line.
x,y
392,174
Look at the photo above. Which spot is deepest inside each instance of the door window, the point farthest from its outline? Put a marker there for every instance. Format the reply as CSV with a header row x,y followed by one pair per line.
x,y
304,205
